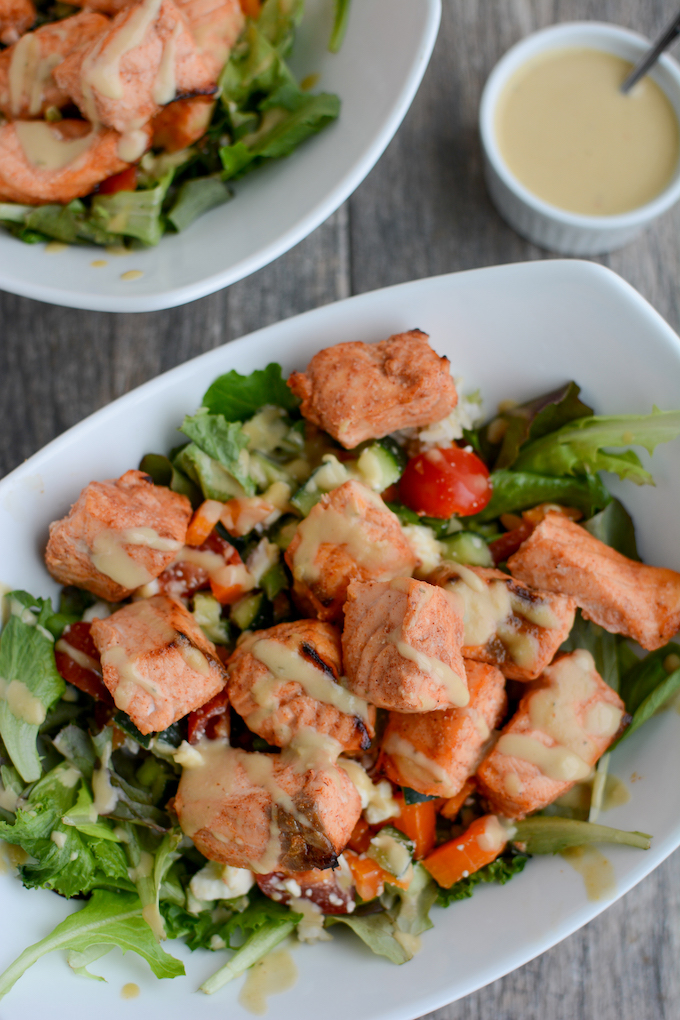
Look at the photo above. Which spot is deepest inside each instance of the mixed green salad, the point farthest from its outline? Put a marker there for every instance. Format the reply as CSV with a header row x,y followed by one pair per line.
x,y
132,867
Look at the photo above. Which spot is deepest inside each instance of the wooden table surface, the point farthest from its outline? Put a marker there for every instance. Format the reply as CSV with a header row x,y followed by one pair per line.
x,y
423,210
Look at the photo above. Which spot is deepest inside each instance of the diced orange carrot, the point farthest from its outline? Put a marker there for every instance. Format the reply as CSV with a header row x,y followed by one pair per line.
x,y
369,877
418,822
361,837
203,521
453,805
537,513
479,845
230,583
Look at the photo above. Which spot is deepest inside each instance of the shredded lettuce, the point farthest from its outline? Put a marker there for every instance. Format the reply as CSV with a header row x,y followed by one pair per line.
x,y
614,526
517,490
133,213
551,835
379,933
223,442
648,684
501,870
197,196
340,23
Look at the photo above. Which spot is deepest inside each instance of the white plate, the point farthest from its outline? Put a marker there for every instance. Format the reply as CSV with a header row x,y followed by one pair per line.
x,y
514,331
376,74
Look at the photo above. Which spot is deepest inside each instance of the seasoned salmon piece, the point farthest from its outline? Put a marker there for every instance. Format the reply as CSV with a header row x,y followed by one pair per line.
x,y
507,623
358,391
619,594
435,753
182,123
349,535
159,62
287,678
157,662
562,726
16,17
110,7
27,86
42,162
401,645
118,535
266,812
215,25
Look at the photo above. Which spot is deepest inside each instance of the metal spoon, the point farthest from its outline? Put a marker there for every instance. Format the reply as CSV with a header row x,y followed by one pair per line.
x,y
669,34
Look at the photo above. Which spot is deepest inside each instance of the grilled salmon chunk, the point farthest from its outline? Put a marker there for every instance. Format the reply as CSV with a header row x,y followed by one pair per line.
x,y
27,86
118,535
80,157
435,753
350,534
215,25
619,594
16,17
286,678
507,623
401,645
266,812
156,662
563,725
160,61
358,391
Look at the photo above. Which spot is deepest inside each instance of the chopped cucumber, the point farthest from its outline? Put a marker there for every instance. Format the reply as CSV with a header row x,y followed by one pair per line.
x,y
208,615
327,477
283,531
274,581
466,547
252,612
264,472
392,850
381,464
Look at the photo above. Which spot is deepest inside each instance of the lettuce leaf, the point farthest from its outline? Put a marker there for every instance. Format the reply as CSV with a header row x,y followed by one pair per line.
x,y
501,870
196,196
30,683
133,213
578,448
614,526
647,685
278,20
603,646
340,22
238,397
108,919
377,931
517,490
222,441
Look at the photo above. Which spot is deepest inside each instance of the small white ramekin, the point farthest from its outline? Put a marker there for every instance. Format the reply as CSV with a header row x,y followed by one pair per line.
x,y
545,224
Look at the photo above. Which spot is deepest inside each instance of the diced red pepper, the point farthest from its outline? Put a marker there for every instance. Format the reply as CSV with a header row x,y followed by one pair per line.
x,y
210,720
86,676
126,180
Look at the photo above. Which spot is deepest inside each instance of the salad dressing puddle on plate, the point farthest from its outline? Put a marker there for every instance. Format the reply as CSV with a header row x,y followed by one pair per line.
x,y
275,973
597,872
129,991
569,135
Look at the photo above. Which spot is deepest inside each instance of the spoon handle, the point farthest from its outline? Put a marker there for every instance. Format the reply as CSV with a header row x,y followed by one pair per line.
x,y
670,33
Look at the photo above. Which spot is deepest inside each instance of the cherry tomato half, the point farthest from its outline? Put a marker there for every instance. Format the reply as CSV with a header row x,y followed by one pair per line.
x,y
126,180
440,483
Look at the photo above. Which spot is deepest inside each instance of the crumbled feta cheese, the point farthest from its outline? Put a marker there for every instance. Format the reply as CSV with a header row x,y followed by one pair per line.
x,y
292,887
188,757
377,801
218,881
310,928
217,942
425,546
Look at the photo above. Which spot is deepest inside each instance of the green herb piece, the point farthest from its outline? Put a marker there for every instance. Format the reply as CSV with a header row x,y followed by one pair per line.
x,y
578,448
614,526
340,22
550,835
501,870
30,682
238,397
110,919
195,197
222,441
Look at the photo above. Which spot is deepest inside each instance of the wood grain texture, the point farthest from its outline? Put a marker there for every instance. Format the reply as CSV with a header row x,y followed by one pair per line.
x,y
423,210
